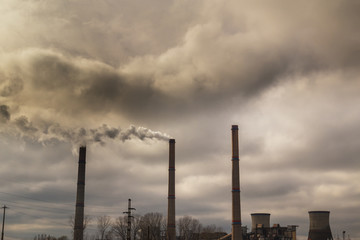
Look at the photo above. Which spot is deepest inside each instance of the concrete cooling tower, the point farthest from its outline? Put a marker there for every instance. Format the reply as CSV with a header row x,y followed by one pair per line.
x,y
260,220
319,226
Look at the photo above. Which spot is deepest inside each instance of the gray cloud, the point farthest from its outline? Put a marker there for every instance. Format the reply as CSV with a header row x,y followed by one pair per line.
x,y
10,86
112,31
25,126
222,56
4,113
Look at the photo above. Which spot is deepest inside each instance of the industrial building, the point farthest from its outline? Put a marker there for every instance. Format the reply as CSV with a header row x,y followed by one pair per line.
x,y
261,230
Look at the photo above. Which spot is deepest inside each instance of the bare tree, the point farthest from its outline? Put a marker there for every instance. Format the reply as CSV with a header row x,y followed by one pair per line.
x,y
189,228
152,226
119,227
49,237
103,226
212,228
87,220
209,228
211,232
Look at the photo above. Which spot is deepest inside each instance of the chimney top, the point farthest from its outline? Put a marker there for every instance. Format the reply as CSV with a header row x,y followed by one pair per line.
x,y
319,211
234,127
171,140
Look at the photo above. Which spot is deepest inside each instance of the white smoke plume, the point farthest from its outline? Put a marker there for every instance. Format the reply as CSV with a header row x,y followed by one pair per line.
x,y
50,133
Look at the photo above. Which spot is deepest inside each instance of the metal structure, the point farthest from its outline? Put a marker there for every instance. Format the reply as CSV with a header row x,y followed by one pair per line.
x,y
80,197
319,226
128,232
171,227
262,219
236,206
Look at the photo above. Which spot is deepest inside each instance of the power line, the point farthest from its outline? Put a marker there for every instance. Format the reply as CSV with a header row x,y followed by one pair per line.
x,y
48,220
28,205
111,209
35,199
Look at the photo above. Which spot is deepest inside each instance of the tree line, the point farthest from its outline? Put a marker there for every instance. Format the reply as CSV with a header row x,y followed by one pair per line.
x,y
151,226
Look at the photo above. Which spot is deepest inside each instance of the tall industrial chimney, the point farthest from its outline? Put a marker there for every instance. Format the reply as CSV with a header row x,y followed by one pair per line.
x,y
171,228
319,226
260,218
236,208
80,197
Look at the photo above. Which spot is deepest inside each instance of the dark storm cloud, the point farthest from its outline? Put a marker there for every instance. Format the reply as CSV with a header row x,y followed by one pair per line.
x,y
218,60
25,126
4,113
79,86
214,65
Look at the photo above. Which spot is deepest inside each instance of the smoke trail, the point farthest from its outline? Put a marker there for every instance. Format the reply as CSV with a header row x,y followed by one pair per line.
x,y
50,133
143,133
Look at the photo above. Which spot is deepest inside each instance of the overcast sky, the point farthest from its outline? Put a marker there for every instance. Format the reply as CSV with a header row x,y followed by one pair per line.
x,y
124,76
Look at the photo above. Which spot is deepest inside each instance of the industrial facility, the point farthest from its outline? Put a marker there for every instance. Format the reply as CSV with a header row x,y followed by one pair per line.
x,y
261,229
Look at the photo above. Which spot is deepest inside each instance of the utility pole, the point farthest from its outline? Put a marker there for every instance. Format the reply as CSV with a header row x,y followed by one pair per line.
x,y
128,237
3,223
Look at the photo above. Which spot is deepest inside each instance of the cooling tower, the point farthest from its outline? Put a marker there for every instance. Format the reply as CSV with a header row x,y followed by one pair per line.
x,y
260,218
171,227
236,207
319,226
80,197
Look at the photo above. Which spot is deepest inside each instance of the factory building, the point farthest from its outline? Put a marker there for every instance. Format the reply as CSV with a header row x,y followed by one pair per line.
x,y
261,229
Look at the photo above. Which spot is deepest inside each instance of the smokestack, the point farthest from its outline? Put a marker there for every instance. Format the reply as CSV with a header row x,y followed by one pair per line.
x,y
236,208
80,197
319,226
260,218
171,228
